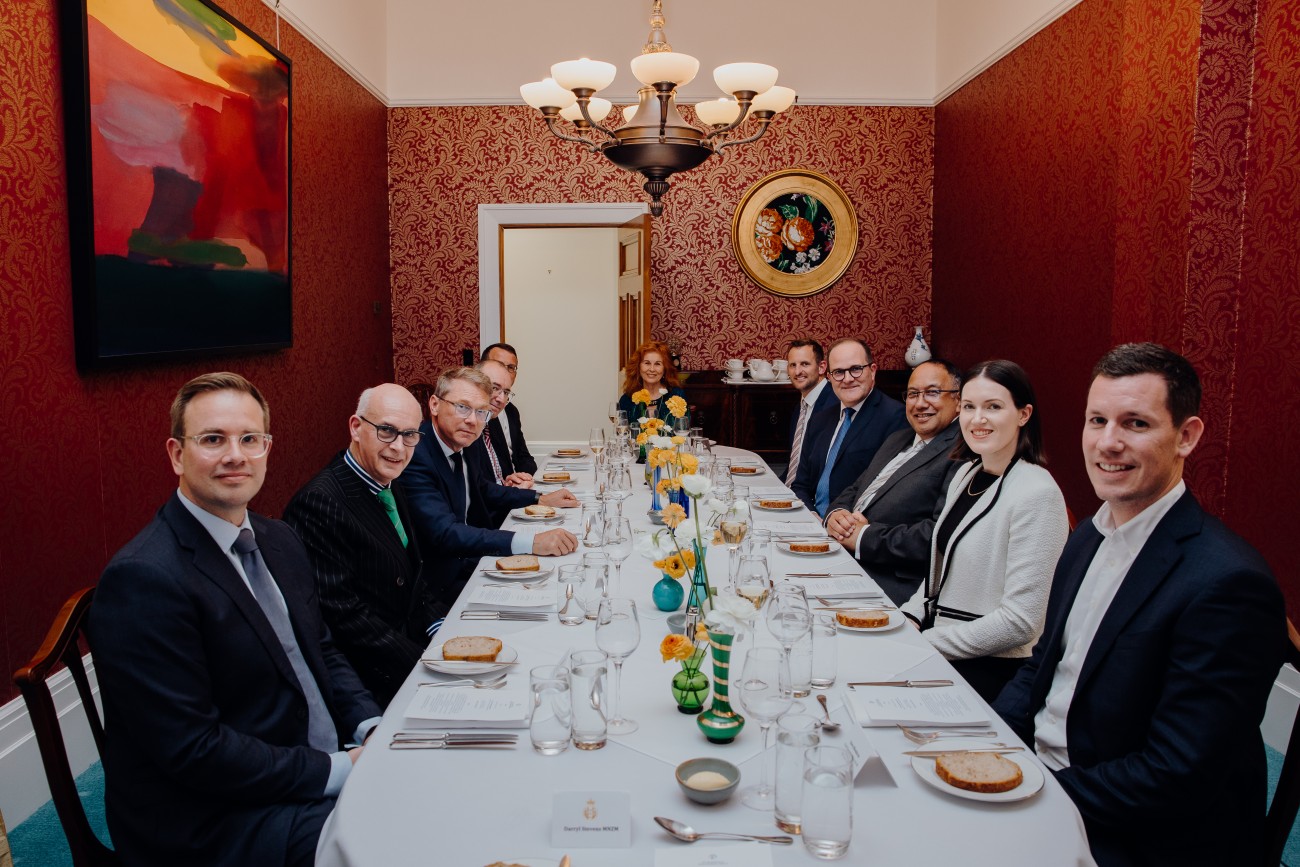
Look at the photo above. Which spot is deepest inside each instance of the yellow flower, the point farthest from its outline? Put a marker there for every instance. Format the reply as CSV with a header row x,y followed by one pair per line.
x,y
671,566
676,647
701,632
689,557
690,463
678,440
643,437
667,484
673,515
652,424
642,396
677,406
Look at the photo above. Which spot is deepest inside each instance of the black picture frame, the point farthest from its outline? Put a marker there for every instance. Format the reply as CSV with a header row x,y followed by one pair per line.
x,y
179,182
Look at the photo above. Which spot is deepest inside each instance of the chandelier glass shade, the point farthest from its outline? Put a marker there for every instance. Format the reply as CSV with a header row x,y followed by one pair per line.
x,y
654,140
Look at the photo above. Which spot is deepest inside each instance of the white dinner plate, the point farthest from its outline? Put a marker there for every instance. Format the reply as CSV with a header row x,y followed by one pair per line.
x,y
579,456
739,472
498,575
896,619
1030,786
433,655
784,547
520,515
795,505
538,480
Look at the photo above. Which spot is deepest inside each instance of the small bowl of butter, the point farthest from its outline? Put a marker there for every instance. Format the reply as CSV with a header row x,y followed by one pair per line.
x,y
708,780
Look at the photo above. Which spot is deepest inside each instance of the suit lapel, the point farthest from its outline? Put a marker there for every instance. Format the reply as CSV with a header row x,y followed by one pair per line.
x,y
861,419
442,466
366,508
935,449
1154,563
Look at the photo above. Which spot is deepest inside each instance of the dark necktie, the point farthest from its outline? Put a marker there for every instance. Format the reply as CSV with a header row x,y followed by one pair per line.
x,y
321,734
390,506
492,457
823,498
458,473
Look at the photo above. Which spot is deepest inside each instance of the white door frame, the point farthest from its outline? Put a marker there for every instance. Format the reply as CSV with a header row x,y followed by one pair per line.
x,y
490,220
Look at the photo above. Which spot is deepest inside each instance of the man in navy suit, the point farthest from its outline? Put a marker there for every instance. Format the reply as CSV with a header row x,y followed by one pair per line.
x,y
355,520
490,449
506,430
848,435
449,494
886,517
226,704
805,363
1164,634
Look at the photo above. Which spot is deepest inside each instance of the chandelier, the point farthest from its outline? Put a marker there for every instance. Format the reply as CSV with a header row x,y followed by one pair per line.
x,y
655,140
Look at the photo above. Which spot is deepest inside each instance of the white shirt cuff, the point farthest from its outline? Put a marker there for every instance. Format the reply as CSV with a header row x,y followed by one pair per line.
x,y
340,767
522,543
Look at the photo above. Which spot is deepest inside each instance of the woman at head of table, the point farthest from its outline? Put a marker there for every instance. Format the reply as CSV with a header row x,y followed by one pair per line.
x,y
650,369
998,538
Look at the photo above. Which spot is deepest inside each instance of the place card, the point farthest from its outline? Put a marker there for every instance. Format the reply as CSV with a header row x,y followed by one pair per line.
x,y
591,820
736,854
466,707
930,706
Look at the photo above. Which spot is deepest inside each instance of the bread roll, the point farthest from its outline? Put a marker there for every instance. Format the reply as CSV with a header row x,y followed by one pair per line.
x,y
519,563
979,772
776,504
573,453
862,619
810,547
540,511
555,477
471,648
744,471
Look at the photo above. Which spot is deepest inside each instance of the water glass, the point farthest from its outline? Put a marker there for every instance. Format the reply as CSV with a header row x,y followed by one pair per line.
x,y
567,606
827,809
591,526
758,543
825,657
550,723
587,692
589,588
795,734
801,663
764,693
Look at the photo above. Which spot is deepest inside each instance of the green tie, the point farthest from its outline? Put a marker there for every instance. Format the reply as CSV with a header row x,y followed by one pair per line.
x,y
390,506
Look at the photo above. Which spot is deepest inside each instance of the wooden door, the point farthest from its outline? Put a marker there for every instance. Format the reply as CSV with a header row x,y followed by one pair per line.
x,y
633,285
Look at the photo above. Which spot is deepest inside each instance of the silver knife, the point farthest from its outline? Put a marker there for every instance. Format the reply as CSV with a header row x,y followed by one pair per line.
x,y
918,684
999,751
452,745
442,736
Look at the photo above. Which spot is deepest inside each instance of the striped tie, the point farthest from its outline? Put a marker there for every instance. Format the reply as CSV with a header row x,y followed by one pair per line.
x,y
886,474
492,456
797,449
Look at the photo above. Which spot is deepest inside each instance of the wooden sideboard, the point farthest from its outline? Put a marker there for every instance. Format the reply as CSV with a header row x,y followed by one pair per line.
x,y
757,417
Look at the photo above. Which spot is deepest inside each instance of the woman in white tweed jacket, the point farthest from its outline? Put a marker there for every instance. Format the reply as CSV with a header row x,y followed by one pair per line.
x,y
998,538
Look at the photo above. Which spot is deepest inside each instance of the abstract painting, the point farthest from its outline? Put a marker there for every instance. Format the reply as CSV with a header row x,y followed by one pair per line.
x,y
178,181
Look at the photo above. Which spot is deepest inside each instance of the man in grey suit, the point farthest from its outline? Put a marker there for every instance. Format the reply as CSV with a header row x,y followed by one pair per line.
x,y
886,517
355,520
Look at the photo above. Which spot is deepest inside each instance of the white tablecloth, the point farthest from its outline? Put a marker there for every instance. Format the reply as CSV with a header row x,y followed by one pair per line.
x,y
474,807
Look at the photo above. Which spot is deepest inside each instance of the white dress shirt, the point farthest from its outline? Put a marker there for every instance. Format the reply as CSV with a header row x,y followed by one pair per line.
x,y
522,541
1119,547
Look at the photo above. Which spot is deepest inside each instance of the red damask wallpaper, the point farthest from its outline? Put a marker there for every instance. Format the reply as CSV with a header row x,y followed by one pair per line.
x,y
446,161
1153,195
85,454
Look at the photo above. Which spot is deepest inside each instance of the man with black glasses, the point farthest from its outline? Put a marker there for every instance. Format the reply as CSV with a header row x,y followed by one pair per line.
x,y
448,493
886,517
357,524
847,435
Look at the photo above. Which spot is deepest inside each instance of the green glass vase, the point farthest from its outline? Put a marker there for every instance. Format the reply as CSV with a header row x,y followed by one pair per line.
x,y
690,689
720,724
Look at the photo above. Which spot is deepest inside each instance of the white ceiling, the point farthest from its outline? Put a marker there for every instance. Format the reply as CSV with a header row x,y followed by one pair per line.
x,y
837,52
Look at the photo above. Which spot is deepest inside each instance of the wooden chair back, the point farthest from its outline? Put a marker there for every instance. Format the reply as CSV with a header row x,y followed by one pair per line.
x,y
63,644
1286,800
422,391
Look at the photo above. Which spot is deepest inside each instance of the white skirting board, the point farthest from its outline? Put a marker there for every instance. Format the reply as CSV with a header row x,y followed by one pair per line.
x,y
22,776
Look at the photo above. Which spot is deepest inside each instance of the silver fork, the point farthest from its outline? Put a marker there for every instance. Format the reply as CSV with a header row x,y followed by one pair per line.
x,y
493,683
924,737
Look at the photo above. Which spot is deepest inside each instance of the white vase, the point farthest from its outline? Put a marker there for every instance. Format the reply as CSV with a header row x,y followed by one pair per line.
x,y
918,352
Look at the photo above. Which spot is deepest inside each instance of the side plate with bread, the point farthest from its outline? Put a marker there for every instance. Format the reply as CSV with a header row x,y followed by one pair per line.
x,y
979,776
469,654
808,547
868,619
538,514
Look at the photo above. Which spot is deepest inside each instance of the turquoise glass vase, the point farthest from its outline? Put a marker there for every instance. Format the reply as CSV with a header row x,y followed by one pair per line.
x,y
668,594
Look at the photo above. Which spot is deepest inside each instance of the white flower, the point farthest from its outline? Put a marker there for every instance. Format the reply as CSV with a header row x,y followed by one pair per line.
x,y
696,485
814,254
661,442
732,613
642,420
685,533
656,545
716,506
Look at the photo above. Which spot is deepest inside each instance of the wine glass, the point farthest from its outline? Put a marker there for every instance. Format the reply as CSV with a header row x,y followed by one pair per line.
x,y
615,412
596,439
733,526
765,693
788,617
753,579
618,634
682,426
622,427
619,487
618,546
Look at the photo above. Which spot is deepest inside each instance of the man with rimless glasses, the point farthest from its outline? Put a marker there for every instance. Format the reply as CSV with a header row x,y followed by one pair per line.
x,y
357,524
449,494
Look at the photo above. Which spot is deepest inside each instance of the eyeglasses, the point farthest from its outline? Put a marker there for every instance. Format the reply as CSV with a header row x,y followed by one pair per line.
x,y
253,445
510,395
930,394
854,372
463,411
387,433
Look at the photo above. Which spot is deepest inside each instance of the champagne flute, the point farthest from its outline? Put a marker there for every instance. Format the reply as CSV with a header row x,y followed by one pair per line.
x,y
596,439
765,693
619,487
753,579
618,546
733,527
614,412
618,634
622,426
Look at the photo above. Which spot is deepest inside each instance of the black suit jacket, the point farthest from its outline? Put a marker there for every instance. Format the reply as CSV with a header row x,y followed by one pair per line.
x,y
877,418
454,533
206,757
825,400
895,546
514,458
373,591
1166,760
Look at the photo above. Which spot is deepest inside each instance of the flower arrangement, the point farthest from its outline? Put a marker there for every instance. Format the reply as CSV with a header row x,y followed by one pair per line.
x,y
677,550
690,686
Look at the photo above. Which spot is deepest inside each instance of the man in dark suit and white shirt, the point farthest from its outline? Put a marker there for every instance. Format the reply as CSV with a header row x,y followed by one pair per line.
x,y
507,430
358,527
448,493
1164,633
226,704
886,517
489,449
805,363
846,436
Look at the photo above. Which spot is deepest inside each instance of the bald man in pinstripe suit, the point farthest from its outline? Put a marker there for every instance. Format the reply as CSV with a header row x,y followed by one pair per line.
x,y
354,519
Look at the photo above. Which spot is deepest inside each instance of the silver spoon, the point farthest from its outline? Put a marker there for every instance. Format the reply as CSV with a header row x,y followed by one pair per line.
x,y
830,726
682,831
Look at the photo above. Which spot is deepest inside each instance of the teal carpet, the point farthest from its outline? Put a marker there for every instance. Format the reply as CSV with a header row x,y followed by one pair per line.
x,y
39,841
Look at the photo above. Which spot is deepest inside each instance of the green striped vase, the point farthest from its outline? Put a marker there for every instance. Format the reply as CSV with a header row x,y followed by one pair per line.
x,y
720,723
